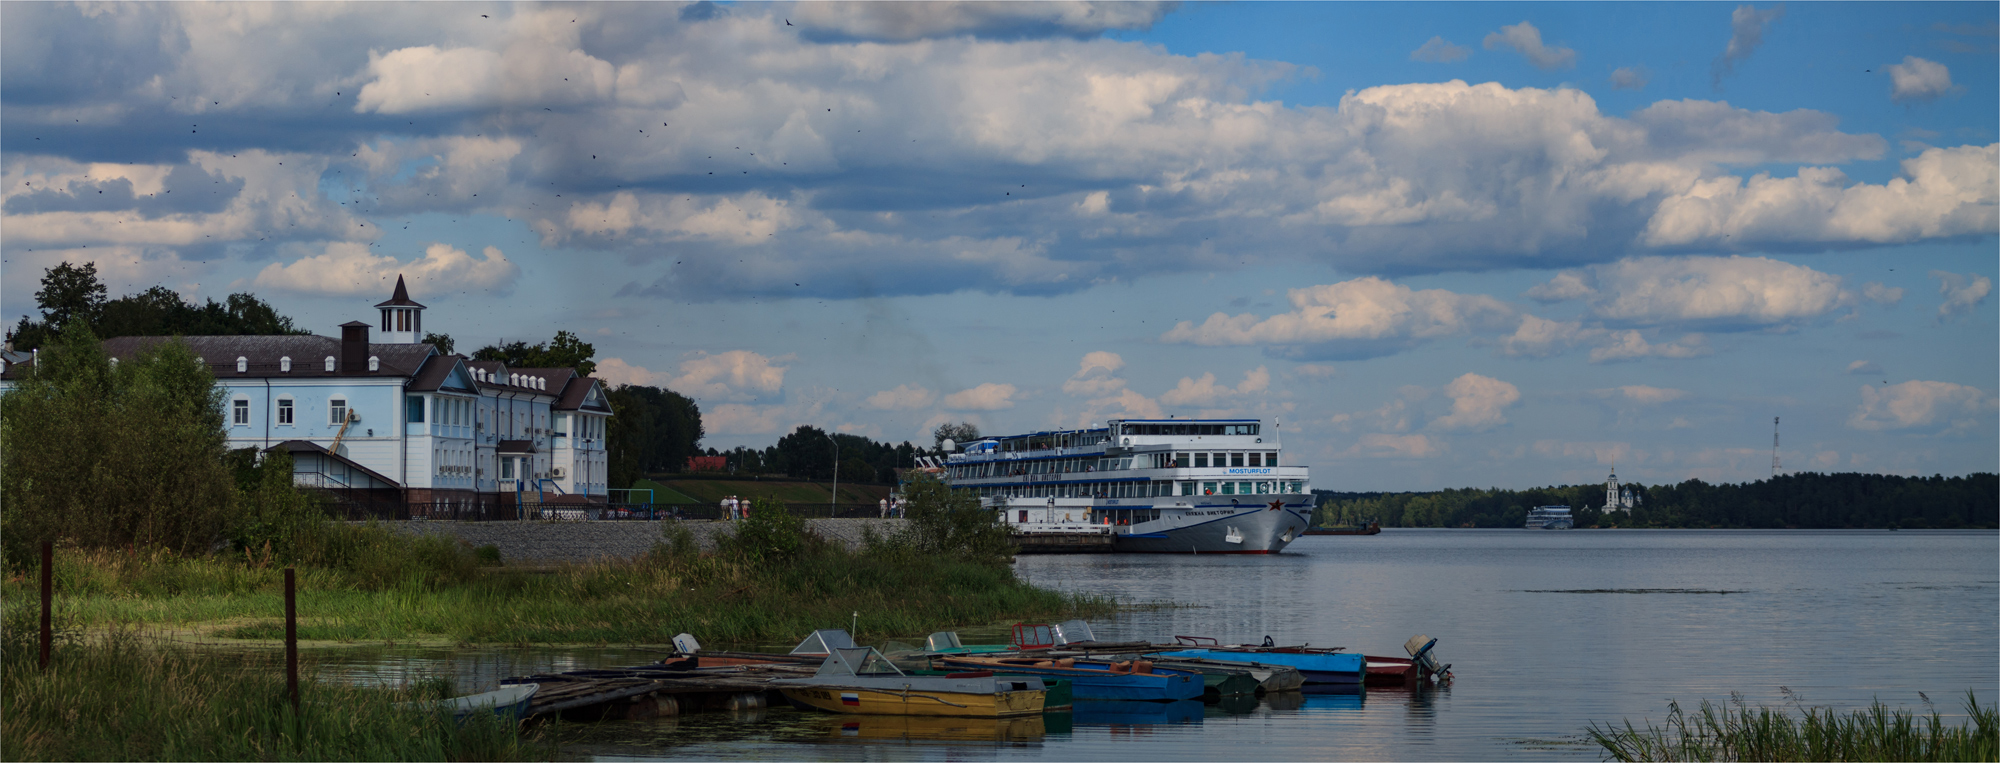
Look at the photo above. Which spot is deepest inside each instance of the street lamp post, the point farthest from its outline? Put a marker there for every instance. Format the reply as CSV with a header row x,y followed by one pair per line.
x,y
836,476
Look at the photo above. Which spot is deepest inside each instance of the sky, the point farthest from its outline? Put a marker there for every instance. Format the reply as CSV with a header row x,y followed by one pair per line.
x,y
1435,244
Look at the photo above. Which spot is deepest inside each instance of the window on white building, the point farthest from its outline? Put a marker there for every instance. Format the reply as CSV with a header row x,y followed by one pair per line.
x,y
285,411
336,411
239,413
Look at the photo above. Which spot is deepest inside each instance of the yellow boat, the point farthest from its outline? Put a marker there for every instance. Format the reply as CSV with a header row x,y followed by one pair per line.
x,y
1026,728
860,681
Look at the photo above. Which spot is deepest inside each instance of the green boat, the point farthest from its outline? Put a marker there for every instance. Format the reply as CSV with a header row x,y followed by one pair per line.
x,y
946,642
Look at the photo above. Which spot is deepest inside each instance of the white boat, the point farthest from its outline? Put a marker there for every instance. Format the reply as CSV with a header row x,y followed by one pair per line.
x,y
1204,486
510,702
1550,518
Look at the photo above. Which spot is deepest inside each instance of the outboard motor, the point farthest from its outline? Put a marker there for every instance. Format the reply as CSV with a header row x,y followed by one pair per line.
x,y
1419,647
1269,642
686,644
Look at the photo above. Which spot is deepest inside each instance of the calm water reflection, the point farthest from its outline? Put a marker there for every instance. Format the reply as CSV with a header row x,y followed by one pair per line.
x,y
1547,631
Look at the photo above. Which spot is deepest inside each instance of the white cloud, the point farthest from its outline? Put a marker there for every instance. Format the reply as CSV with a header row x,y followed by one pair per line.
x,y
1746,32
1916,80
1944,192
539,66
615,372
1961,292
1631,78
1394,446
1440,51
1314,371
1642,394
985,397
1527,40
1096,375
1205,391
738,376
1632,345
1365,316
351,269
912,21
1478,403
903,398
1717,292
1864,368
1922,405
1882,294
741,419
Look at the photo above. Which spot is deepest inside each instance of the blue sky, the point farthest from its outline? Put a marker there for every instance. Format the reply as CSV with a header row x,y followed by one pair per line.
x,y
1444,244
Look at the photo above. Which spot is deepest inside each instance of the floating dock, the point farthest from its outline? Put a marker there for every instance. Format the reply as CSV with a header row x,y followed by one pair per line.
x,y
1063,543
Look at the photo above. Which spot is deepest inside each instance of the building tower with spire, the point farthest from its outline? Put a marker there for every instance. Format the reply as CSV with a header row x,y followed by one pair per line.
x,y
402,318
1614,498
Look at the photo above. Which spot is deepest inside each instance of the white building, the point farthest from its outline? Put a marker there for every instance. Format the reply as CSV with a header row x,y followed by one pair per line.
x,y
397,421
1615,498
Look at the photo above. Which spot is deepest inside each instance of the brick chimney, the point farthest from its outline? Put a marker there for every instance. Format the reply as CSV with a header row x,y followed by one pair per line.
x,y
353,347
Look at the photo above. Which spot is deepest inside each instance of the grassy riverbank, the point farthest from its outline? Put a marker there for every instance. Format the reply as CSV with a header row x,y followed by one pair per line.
x,y
403,590
1737,732
120,696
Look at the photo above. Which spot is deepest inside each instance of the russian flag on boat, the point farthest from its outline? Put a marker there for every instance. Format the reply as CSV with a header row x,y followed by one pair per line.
x,y
850,699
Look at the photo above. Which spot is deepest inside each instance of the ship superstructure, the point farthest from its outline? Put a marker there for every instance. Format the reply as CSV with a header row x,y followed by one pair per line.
x,y
1161,485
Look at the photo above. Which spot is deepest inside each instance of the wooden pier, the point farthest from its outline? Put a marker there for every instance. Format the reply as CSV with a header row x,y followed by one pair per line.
x,y
648,691
1063,543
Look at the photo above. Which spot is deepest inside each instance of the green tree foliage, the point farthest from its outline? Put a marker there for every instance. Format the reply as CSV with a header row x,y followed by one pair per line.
x,y
959,433
564,351
442,342
72,293
770,534
950,522
652,430
1804,499
807,453
104,455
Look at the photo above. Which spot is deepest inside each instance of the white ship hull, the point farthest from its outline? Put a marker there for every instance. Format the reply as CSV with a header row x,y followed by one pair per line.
x,y
1248,526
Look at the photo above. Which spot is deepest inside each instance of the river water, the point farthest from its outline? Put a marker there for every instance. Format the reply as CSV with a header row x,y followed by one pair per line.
x,y
1547,632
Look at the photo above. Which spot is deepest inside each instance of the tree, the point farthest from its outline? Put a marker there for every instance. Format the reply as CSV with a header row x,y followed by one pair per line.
x,y
950,522
564,351
652,429
104,455
960,433
70,292
73,293
442,342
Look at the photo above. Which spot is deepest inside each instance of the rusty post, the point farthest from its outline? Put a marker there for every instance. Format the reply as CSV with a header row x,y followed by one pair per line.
x,y
291,640
48,596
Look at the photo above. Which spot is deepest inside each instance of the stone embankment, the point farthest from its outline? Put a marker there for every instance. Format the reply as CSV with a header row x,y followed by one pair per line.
x,y
557,542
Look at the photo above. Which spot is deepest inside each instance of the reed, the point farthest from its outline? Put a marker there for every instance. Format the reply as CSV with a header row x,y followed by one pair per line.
x,y
126,696
1735,731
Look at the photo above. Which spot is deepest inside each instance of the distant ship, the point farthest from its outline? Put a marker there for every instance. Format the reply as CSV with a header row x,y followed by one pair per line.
x,y
1550,518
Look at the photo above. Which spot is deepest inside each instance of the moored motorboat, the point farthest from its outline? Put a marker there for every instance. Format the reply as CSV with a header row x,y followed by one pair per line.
x,y
1269,678
861,681
509,702
1094,680
1317,666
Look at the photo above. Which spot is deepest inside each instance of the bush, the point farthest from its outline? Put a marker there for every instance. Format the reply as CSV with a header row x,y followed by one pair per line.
x,y
946,521
770,534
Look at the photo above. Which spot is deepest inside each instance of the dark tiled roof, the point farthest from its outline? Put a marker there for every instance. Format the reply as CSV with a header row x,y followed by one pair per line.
x,y
401,298
435,372
573,395
305,446
516,446
264,353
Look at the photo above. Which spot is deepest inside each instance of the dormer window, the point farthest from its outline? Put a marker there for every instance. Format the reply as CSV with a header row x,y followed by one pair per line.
x,y
242,364
285,364
374,363
329,364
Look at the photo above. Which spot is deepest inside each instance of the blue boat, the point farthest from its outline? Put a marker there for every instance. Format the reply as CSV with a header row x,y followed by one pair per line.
x,y
1114,713
1095,680
1317,667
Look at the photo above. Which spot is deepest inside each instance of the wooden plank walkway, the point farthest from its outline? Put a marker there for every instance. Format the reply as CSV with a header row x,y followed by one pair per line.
x,y
582,689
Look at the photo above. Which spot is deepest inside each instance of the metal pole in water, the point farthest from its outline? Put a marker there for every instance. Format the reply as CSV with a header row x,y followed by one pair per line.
x,y
291,639
48,594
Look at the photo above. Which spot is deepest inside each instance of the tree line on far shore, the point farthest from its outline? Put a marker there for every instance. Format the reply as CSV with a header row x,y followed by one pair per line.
x,y
1798,500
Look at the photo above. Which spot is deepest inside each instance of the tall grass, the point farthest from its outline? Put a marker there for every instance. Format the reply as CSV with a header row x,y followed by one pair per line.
x,y
380,587
1735,731
124,696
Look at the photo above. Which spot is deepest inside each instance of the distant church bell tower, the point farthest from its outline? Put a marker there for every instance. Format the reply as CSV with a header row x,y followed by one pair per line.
x,y
402,319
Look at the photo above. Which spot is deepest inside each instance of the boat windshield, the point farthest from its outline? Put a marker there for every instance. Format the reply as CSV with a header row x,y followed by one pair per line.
x,y
859,661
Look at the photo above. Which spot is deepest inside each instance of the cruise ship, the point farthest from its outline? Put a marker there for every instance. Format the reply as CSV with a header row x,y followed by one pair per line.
x,y
1550,518
1203,486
